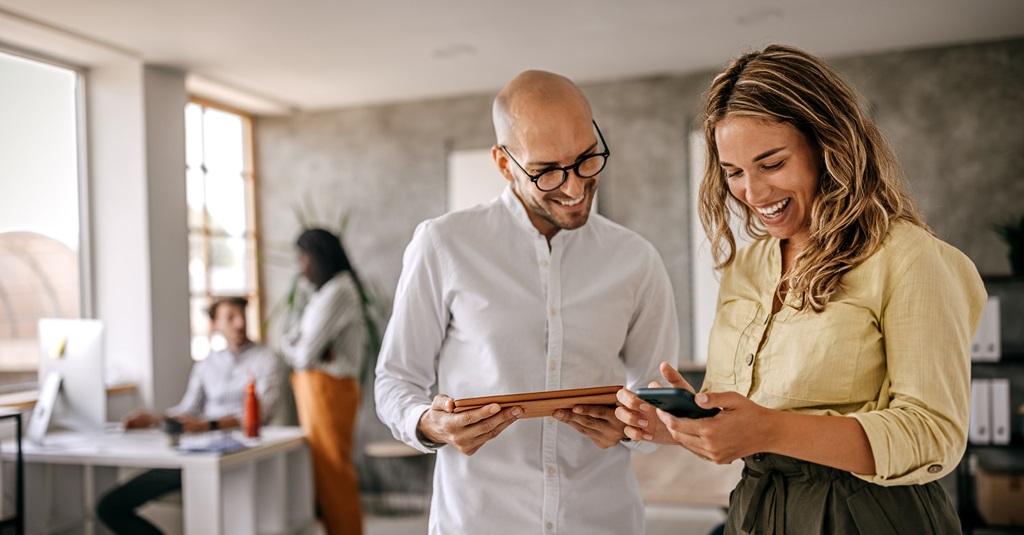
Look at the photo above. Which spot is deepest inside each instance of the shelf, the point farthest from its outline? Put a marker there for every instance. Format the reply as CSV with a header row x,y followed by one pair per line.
x,y
1002,277
1008,359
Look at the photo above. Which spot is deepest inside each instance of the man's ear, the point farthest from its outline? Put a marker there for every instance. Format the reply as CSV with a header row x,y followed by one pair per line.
x,y
501,160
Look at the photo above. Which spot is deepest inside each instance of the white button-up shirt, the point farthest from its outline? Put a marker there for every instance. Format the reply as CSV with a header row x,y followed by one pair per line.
x,y
484,307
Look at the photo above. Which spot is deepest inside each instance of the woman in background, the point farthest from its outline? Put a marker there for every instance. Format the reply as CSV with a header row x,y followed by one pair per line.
x,y
840,352
326,348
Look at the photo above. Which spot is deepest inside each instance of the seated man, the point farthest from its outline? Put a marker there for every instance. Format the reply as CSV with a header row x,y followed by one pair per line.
x,y
214,399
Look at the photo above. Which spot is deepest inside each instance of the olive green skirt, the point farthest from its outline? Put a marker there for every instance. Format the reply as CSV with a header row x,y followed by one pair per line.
x,y
782,495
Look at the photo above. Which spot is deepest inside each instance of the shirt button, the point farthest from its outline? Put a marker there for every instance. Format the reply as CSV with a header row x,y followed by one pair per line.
x,y
551,471
554,366
750,359
543,263
554,312
935,469
550,526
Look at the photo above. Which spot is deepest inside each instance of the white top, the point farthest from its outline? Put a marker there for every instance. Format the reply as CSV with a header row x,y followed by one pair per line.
x,y
332,319
483,307
216,386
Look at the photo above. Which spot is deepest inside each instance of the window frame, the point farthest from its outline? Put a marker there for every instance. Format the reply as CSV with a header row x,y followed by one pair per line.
x,y
86,303
86,309
251,235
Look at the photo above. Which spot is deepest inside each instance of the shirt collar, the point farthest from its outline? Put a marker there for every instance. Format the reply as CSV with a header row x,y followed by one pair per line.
x,y
241,350
518,211
516,208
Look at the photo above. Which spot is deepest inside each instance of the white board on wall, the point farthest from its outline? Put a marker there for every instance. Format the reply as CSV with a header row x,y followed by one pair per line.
x,y
472,178
704,278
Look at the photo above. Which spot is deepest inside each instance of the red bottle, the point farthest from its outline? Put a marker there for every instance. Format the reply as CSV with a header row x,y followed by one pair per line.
x,y
251,423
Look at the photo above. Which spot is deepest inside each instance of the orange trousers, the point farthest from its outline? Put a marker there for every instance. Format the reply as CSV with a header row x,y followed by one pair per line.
x,y
327,408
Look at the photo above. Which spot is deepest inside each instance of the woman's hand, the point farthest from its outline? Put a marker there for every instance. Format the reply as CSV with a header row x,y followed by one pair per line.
x,y
742,428
642,423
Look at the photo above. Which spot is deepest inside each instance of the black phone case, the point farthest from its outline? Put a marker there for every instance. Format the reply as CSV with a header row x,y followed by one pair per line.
x,y
675,401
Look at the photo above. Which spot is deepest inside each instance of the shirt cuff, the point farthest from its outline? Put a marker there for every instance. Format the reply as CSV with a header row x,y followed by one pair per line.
x,y
638,445
412,422
887,457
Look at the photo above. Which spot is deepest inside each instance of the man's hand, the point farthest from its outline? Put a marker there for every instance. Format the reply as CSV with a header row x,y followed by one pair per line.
x,y
141,420
467,430
640,418
190,424
597,422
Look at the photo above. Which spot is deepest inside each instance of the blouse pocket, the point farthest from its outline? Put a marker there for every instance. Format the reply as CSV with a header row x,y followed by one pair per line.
x,y
829,358
733,335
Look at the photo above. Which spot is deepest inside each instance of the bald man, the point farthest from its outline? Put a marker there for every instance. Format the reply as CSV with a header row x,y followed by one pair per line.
x,y
528,292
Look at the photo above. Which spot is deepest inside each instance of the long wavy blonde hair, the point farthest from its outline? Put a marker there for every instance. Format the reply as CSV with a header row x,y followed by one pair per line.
x,y
859,195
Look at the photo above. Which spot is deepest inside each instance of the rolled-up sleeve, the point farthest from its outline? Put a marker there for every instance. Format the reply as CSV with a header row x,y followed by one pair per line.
x,y
927,323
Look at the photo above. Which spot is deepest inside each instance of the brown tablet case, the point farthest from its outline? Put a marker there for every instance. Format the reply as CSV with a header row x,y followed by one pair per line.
x,y
536,404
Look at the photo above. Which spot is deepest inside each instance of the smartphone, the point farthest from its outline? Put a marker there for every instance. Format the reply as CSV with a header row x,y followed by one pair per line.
x,y
675,401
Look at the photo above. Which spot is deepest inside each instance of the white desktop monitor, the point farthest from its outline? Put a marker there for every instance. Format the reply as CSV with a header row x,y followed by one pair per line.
x,y
73,348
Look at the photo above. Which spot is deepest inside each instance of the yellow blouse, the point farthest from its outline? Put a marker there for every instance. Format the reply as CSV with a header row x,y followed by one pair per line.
x,y
891,348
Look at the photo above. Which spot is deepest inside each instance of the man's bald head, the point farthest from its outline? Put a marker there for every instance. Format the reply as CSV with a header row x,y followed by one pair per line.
x,y
532,94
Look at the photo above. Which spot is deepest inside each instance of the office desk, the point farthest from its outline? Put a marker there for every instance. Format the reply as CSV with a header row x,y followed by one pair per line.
x,y
264,489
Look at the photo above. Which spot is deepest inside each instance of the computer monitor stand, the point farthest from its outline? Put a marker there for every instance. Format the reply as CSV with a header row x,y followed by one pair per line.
x,y
43,411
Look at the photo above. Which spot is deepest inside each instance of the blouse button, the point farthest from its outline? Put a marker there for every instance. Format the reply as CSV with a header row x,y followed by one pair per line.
x,y
935,468
750,359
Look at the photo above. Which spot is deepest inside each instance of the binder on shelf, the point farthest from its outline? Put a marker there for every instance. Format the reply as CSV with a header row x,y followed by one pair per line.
x,y
986,346
980,431
1000,410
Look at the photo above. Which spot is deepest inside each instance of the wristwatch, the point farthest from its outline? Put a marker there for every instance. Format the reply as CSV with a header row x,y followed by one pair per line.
x,y
213,425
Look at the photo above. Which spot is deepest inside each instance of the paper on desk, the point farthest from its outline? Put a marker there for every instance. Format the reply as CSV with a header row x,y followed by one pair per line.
x,y
210,443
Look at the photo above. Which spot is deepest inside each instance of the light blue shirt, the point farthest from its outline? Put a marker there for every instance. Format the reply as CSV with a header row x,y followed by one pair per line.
x,y
216,385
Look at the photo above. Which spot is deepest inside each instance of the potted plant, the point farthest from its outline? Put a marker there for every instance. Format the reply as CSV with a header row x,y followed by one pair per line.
x,y
1012,233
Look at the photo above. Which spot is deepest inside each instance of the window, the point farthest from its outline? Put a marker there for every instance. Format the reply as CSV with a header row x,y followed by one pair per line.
x,y
221,218
40,230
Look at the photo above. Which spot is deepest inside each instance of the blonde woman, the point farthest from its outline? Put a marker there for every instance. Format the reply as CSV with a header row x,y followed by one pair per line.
x,y
840,349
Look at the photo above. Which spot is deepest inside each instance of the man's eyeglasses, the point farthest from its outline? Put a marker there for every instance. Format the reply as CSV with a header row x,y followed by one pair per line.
x,y
551,179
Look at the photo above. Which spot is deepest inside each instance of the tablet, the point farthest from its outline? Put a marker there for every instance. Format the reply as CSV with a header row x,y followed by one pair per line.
x,y
535,404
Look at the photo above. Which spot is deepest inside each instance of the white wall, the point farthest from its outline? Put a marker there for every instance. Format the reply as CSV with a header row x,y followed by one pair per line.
x,y
473,178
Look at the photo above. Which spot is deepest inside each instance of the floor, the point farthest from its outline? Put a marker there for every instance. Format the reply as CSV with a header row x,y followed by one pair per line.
x,y
661,520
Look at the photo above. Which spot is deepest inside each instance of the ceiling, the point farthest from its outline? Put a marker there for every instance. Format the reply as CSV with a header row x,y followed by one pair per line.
x,y
306,55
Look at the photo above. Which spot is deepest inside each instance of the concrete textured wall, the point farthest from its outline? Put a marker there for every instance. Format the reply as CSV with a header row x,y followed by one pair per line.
x,y
955,116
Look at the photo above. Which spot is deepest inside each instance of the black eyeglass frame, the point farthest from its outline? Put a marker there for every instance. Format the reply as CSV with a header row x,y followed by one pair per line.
x,y
575,168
